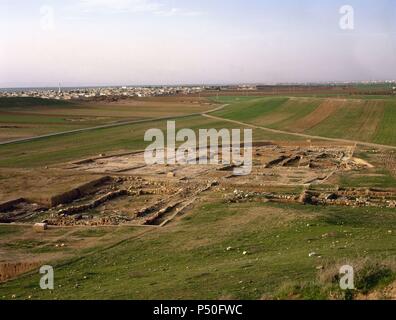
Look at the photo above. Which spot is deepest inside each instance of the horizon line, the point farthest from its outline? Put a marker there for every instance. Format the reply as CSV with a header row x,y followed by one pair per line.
x,y
199,84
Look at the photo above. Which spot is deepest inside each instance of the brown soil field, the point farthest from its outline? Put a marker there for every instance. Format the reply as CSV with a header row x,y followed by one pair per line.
x,y
22,122
37,184
325,110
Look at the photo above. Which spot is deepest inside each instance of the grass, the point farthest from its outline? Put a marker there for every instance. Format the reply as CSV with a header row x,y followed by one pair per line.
x,y
379,178
352,120
57,149
9,230
191,259
25,244
90,233
30,119
18,102
252,108
202,255
27,117
292,111
363,118
386,131
372,276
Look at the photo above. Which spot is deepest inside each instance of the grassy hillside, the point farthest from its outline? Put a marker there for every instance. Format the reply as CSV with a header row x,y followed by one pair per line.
x,y
199,258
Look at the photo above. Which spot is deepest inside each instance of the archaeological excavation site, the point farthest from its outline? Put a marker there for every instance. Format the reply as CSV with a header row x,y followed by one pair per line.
x,y
213,152
123,190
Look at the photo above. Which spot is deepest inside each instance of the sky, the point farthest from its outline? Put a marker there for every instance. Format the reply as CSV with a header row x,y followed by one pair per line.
x,y
141,42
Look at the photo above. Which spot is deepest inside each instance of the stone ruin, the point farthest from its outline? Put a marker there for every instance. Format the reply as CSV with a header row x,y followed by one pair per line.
x,y
130,192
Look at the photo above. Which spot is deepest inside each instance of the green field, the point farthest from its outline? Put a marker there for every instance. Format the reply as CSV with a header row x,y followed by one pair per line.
x,y
63,148
29,117
201,256
367,120
354,119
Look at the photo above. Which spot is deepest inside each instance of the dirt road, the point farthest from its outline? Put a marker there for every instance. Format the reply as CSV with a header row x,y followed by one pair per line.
x,y
302,135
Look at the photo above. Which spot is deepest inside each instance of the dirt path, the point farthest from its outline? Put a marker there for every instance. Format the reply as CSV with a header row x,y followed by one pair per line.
x,y
307,136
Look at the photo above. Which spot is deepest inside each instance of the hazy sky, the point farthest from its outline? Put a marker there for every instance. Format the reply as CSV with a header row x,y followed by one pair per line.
x,y
100,42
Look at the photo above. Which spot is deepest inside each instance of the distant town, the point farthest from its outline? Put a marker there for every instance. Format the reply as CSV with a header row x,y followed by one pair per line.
x,y
98,92
60,93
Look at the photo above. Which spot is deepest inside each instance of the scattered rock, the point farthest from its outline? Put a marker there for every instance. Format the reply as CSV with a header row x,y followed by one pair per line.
x,y
40,227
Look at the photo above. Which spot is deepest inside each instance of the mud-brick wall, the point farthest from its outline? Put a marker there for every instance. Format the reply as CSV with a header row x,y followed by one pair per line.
x,y
11,270
71,195
9,204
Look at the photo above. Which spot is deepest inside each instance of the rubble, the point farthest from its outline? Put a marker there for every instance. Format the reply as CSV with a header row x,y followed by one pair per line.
x,y
19,210
343,197
82,208
134,193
